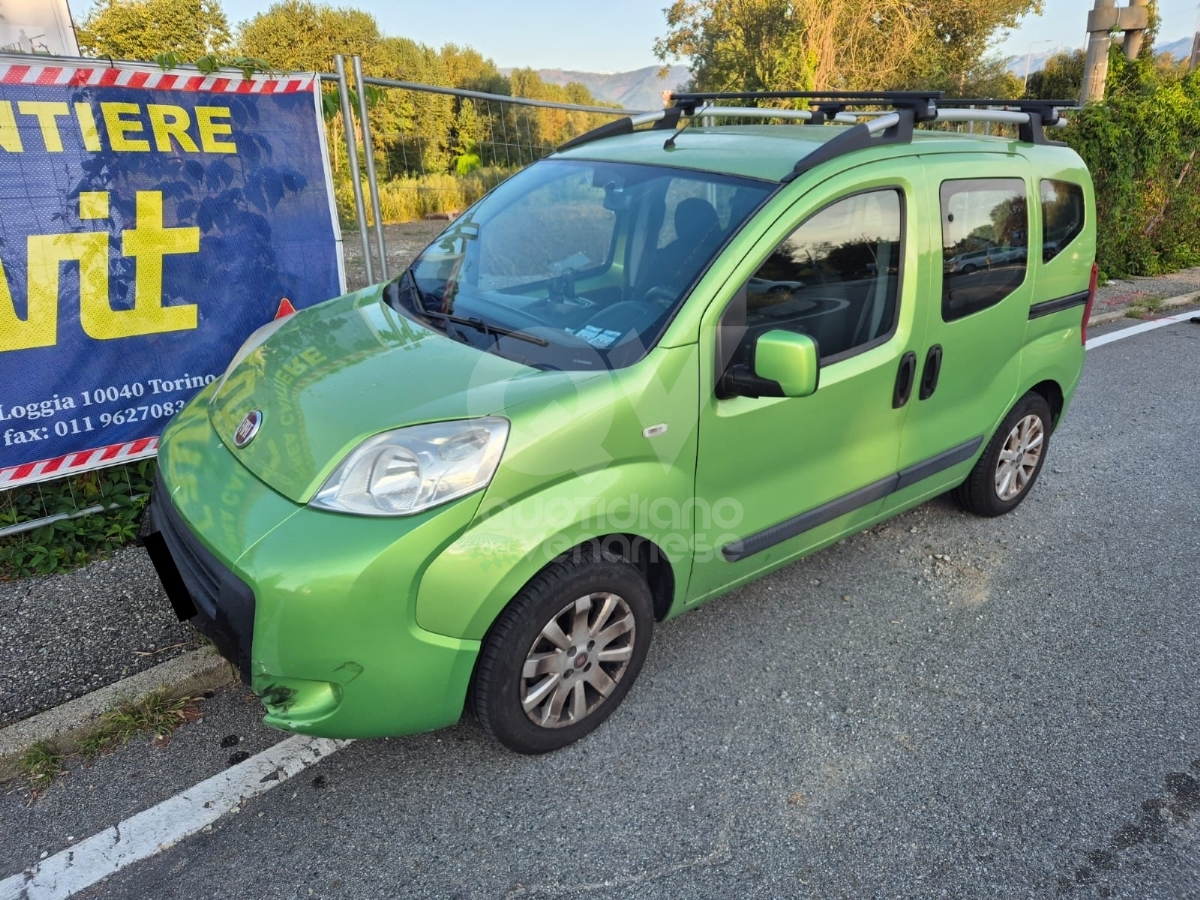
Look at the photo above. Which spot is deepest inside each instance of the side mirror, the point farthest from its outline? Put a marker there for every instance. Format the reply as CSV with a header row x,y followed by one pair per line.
x,y
786,364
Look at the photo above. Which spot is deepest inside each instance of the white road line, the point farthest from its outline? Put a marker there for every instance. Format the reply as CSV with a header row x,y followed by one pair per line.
x,y
160,827
1140,329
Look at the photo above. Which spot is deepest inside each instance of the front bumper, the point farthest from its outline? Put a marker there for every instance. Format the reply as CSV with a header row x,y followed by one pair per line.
x,y
201,589
317,610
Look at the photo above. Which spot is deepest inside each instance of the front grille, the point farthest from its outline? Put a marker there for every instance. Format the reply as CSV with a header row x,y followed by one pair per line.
x,y
223,603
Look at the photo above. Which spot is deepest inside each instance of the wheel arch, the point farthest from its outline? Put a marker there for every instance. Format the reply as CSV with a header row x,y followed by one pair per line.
x,y
1051,391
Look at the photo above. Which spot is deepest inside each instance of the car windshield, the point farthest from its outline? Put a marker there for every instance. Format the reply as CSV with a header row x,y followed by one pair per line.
x,y
575,265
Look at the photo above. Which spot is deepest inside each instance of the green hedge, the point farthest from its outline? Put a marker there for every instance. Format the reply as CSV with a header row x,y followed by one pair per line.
x,y
1141,145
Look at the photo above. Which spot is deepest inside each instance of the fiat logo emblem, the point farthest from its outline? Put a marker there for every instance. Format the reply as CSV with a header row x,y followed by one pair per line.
x,y
248,429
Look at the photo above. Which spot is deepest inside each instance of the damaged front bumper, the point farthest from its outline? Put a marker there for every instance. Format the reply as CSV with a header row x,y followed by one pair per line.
x,y
316,609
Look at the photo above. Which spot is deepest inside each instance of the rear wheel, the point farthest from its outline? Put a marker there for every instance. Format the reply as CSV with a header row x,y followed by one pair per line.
x,y
564,653
1006,472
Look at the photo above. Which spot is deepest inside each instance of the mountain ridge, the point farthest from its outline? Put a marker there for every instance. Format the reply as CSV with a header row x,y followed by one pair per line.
x,y
638,89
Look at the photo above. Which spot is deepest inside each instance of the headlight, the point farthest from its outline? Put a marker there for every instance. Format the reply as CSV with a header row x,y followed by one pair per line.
x,y
410,470
257,338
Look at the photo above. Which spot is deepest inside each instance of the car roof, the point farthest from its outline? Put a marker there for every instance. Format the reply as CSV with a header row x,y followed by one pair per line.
x,y
769,151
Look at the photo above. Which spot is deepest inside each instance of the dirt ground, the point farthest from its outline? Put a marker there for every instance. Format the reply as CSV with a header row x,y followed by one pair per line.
x,y
403,243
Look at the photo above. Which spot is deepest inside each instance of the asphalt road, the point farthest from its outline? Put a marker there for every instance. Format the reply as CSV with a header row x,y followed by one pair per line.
x,y
1014,719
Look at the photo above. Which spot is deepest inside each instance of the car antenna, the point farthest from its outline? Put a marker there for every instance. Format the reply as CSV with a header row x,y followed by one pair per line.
x,y
669,143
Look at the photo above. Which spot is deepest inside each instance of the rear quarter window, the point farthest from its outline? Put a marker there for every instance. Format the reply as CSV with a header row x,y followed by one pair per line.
x,y
1062,216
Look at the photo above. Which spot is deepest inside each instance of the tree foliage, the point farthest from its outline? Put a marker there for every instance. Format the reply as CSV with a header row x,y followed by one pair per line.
x,y
840,44
300,36
417,134
145,29
1061,78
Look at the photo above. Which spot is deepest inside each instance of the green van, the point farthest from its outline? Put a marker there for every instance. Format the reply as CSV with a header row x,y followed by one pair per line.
x,y
654,366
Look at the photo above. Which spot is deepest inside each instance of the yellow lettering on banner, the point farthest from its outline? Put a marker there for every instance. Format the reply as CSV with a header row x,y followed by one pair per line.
x,y
10,137
40,326
47,113
118,127
93,204
128,126
148,243
209,130
170,122
47,253
87,127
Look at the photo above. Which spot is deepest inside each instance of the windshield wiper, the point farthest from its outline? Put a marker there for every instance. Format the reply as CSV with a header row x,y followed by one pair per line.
x,y
486,328
419,309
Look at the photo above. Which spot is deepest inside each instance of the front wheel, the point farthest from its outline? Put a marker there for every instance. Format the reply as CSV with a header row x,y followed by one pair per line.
x,y
563,655
1006,472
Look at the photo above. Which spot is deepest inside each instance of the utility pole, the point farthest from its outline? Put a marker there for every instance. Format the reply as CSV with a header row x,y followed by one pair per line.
x,y
1195,62
1103,20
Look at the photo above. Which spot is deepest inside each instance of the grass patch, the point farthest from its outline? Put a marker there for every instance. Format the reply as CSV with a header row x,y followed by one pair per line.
x,y
41,764
410,198
69,543
155,714
1145,308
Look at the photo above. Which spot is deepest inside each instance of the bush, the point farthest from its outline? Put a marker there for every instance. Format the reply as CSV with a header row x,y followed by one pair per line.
x,y
122,492
1141,146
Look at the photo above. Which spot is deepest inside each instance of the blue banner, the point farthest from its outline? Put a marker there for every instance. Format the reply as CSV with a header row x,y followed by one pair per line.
x,y
148,224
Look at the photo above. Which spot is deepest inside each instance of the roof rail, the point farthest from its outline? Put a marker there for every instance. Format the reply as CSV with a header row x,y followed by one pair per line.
x,y
829,103
909,108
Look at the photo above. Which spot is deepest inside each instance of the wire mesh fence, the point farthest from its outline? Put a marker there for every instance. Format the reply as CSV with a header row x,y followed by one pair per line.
x,y
430,152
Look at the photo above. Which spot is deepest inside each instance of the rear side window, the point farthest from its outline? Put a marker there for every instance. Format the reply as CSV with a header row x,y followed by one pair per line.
x,y
1062,216
985,243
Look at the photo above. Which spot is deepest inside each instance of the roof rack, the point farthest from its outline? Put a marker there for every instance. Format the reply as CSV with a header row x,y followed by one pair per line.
x,y
908,109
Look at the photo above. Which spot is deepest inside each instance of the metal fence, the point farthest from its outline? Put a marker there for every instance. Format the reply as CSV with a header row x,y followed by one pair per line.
x,y
438,151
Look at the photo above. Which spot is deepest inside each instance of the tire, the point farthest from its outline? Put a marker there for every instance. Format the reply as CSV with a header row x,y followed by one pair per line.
x,y
1010,466
968,269
558,628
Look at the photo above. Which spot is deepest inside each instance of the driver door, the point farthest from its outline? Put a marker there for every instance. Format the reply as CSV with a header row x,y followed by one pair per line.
x,y
776,476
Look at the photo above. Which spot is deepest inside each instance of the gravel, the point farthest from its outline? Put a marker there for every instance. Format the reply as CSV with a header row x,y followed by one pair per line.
x,y
65,635
1124,293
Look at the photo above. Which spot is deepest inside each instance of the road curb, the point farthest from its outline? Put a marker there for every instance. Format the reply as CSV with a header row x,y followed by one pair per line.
x,y
192,673
1123,313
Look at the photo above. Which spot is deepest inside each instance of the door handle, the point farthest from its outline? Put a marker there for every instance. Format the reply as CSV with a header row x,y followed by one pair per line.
x,y
929,375
904,379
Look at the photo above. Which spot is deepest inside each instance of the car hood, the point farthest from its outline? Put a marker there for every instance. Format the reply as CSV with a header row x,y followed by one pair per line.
x,y
351,368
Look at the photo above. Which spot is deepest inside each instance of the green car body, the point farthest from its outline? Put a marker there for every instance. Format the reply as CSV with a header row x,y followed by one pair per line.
x,y
371,625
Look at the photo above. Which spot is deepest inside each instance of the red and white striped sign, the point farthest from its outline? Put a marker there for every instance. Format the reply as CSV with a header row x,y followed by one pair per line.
x,y
72,463
109,76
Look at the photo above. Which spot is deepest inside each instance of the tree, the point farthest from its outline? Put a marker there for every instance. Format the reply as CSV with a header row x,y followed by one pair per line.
x,y
838,44
300,36
1061,78
144,29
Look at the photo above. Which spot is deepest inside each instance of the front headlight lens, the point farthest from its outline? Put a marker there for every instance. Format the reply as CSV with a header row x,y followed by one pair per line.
x,y
410,470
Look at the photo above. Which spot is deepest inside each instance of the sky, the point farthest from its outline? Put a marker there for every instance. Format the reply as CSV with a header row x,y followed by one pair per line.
x,y
618,35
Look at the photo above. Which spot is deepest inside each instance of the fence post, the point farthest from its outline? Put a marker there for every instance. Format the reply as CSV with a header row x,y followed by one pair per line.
x,y
352,159
369,157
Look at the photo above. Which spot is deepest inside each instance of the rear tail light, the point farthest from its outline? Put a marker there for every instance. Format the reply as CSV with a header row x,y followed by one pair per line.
x,y
1087,308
